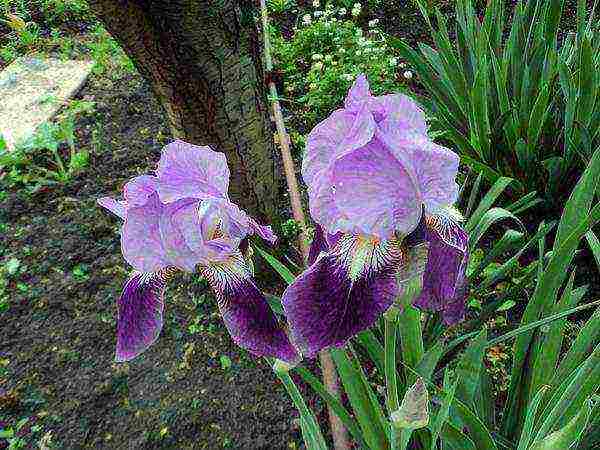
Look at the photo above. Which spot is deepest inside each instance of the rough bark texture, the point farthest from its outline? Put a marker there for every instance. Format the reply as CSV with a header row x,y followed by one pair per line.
x,y
203,61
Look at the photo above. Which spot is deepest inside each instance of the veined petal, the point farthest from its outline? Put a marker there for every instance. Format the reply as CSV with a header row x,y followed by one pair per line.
x,y
341,132
141,244
402,116
444,284
187,170
387,200
342,293
181,234
116,207
435,167
246,313
358,93
263,231
137,192
140,313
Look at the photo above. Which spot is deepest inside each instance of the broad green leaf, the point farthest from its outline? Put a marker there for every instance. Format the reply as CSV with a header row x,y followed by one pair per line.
x,y
490,217
469,368
371,344
487,202
442,415
279,267
364,403
334,403
532,409
568,435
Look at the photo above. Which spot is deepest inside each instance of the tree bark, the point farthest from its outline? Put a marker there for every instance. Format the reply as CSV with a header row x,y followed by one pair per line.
x,y
203,61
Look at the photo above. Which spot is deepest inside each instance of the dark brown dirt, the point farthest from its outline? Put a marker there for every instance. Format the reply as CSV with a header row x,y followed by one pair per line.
x,y
57,338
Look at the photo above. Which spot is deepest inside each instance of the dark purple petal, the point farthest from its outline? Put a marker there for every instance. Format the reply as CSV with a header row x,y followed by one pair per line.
x,y
246,313
140,314
444,279
116,207
342,293
318,245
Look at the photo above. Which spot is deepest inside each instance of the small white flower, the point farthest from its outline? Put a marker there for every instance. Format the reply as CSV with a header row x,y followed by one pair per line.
x,y
373,22
348,77
316,3
318,13
402,65
306,19
393,61
312,86
342,11
328,58
342,50
317,57
407,74
318,66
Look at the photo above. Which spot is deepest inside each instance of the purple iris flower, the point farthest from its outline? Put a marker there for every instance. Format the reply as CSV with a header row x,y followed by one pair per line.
x,y
380,191
182,219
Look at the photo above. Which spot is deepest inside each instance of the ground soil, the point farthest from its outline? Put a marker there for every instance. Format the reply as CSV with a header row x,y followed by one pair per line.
x,y
59,336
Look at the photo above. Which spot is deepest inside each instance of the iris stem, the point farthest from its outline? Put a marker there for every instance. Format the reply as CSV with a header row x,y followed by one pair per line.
x,y
391,376
312,427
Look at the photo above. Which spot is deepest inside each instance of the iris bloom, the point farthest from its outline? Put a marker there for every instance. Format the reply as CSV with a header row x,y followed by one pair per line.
x,y
182,219
381,193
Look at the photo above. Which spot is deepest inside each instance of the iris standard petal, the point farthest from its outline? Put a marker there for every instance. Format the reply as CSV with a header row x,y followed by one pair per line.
x,y
358,92
141,244
375,192
181,234
140,314
187,170
401,116
246,313
117,207
137,192
341,132
342,293
436,168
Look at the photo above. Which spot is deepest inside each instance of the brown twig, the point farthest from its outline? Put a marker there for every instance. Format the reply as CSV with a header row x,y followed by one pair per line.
x,y
330,379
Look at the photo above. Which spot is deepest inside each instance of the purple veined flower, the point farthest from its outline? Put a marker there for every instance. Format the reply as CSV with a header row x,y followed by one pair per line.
x,y
380,191
182,219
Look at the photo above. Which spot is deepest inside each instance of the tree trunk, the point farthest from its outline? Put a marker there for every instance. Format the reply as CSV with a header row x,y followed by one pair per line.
x,y
203,61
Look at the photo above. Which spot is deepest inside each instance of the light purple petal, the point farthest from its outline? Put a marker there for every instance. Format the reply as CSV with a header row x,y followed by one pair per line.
x,y
402,116
436,168
137,191
444,280
375,192
116,207
342,293
341,132
246,313
263,231
181,234
358,93
140,314
140,237
187,170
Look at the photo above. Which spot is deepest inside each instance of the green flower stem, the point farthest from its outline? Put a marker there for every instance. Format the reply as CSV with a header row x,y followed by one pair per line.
x,y
391,378
305,413
411,335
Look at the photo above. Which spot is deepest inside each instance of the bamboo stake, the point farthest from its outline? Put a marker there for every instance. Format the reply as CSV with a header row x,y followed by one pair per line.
x,y
330,379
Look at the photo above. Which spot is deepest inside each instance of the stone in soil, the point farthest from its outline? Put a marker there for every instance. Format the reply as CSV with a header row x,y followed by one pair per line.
x,y
32,90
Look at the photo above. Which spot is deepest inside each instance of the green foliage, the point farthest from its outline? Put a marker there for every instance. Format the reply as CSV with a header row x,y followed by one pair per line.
x,y
524,107
550,403
27,164
323,57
